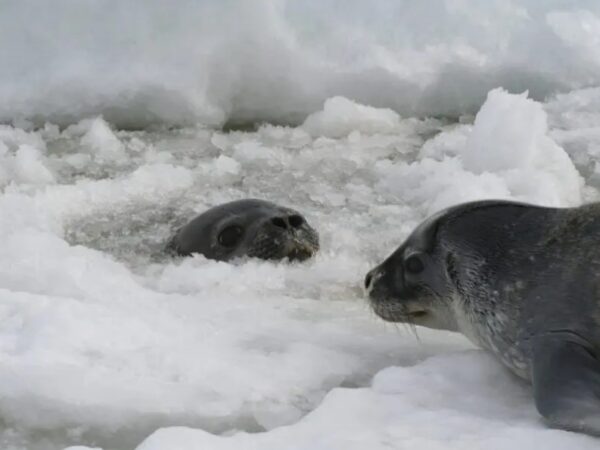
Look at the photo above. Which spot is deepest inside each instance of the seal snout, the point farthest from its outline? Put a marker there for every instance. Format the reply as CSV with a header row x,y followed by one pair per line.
x,y
368,280
376,287
285,234
389,296
288,222
371,278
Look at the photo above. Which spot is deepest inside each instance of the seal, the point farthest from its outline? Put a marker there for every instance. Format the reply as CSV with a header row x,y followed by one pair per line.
x,y
519,280
250,227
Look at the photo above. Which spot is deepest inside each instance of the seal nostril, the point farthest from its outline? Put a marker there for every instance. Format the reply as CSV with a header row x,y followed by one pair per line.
x,y
368,280
279,222
296,220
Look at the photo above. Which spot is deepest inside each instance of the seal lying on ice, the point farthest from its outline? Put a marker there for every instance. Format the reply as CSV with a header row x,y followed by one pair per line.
x,y
519,280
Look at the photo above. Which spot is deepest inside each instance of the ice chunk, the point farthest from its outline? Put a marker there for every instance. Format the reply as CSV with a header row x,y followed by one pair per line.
x,y
507,134
510,137
341,116
26,165
100,141
29,168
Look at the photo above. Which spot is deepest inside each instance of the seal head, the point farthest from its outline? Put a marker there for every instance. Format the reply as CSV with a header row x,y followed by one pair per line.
x,y
250,227
446,271
411,285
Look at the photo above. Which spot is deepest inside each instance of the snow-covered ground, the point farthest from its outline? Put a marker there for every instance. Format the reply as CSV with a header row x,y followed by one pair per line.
x,y
106,343
103,340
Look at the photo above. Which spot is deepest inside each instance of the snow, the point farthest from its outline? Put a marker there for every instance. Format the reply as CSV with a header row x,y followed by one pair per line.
x,y
279,60
462,405
341,116
365,118
508,152
510,136
99,140
105,342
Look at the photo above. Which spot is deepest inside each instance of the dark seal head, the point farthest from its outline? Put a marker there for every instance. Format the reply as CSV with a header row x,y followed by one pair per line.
x,y
519,280
254,228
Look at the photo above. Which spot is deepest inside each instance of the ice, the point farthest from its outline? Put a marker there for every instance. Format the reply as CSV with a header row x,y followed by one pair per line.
x,y
462,404
108,343
99,140
516,126
216,62
507,153
119,123
579,30
575,119
22,159
80,447
341,116
510,136
26,166
104,339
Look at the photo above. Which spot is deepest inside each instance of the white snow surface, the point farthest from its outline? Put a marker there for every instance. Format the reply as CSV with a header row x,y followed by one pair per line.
x,y
107,343
249,60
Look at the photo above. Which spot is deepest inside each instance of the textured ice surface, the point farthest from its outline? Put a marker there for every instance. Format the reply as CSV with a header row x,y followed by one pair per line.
x,y
104,340
456,402
107,343
278,60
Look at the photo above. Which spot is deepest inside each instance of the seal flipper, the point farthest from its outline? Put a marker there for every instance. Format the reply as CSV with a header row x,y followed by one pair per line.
x,y
566,382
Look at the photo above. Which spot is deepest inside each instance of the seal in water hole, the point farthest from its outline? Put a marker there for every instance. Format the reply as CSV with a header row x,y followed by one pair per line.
x,y
251,227
519,280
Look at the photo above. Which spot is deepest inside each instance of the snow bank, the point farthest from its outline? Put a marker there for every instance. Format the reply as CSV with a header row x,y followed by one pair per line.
x,y
507,153
210,62
506,134
510,136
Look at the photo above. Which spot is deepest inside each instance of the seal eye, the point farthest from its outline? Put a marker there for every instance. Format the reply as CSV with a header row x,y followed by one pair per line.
x,y
414,264
230,236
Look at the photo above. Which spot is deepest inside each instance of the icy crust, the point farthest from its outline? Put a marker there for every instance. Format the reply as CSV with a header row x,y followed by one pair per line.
x,y
104,339
456,401
218,61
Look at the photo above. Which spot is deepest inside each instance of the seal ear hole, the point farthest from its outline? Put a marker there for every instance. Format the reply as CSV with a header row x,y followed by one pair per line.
x,y
296,220
414,264
230,236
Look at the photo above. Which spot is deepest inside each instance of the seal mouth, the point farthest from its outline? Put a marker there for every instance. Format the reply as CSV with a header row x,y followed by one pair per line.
x,y
299,254
293,246
394,312
300,248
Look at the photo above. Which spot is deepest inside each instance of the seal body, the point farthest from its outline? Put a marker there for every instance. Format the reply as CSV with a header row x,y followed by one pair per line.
x,y
250,227
519,280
